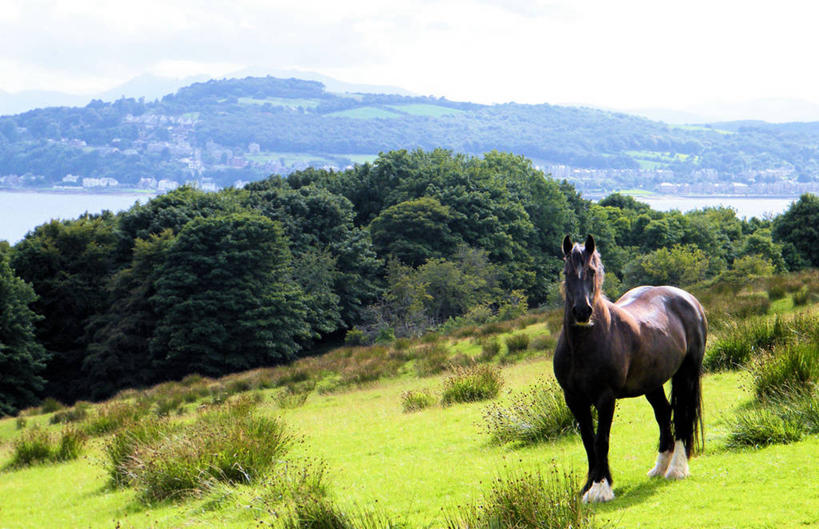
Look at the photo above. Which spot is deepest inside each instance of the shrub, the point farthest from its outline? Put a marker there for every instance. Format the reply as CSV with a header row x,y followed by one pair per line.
x,y
415,400
536,414
354,336
517,342
230,445
492,328
526,501
77,413
473,383
759,427
489,350
788,369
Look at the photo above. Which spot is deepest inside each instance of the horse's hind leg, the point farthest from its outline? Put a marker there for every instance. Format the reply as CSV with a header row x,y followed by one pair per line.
x,y
662,412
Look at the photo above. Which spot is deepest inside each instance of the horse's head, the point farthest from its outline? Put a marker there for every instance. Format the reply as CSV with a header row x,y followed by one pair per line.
x,y
584,279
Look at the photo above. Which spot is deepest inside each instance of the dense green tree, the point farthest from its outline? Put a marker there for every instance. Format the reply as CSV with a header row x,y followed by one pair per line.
x,y
22,358
226,298
798,230
414,231
119,355
678,266
68,264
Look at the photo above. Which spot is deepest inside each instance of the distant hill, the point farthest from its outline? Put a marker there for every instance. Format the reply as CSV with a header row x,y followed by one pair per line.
x,y
221,132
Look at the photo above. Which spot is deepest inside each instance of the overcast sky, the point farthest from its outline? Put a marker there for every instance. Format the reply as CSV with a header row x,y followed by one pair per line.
x,y
617,53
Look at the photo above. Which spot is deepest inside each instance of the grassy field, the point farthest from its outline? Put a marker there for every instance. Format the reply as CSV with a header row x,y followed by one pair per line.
x,y
364,113
417,468
435,111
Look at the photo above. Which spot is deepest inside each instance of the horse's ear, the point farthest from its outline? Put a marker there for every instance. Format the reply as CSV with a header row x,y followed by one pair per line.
x,y
589,246
567,245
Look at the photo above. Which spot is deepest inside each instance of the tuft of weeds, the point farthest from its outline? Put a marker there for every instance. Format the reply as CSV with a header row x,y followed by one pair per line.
x,y
290,398
122,446
431,360
20,422
415,400
230,445
37,445
544,342
472,383
114,415
787,369
489,350
536,414
802,296
77,413
526,500
758,427
320,512
517,343
50,405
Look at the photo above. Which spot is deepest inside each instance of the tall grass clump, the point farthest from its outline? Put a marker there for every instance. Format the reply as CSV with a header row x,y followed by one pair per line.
x,y
490,348
787,369
536,414
230,445
122,446
431,360
320,512
471,383
37,445
415,400
758,427
77,413
517,342
50,404
526,501
114,415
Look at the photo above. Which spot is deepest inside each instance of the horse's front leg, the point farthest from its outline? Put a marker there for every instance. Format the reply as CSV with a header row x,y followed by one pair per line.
x,y
581,409
600,490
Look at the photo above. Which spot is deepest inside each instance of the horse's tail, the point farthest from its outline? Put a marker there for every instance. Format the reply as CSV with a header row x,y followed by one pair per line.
x,y
686,401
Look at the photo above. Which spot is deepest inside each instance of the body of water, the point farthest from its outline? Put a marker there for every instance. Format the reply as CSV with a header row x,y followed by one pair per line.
x,y
744,206
21,212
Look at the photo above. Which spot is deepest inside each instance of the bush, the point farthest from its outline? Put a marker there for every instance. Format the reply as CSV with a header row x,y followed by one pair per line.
x,y
37,445
788,369
469,384
517,342
354,337
536,414
526,501
416,400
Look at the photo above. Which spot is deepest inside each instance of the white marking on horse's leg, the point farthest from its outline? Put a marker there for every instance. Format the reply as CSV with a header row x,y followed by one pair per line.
x,y
660,467
678,468
599,492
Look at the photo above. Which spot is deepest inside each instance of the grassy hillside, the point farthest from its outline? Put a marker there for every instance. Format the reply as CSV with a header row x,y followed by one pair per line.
x,y
416,469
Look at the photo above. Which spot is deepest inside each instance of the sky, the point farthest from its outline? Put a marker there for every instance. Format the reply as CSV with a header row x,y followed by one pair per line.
x,y
617,54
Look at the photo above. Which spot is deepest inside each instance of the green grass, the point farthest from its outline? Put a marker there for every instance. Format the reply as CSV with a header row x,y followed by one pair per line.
x,y
290,102
364,113
420,109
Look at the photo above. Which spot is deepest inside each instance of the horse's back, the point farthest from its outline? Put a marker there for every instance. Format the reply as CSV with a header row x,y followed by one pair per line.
x,y
667,308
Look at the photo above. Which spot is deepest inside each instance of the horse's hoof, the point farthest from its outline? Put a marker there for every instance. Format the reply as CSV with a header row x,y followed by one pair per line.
x,y
661,466
600,492
678,467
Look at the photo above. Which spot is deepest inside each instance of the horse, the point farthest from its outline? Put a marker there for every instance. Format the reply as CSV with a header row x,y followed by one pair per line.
x,y
608,351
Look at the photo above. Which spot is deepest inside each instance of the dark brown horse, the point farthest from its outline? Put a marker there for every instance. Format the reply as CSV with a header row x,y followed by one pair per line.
x,y
608,351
